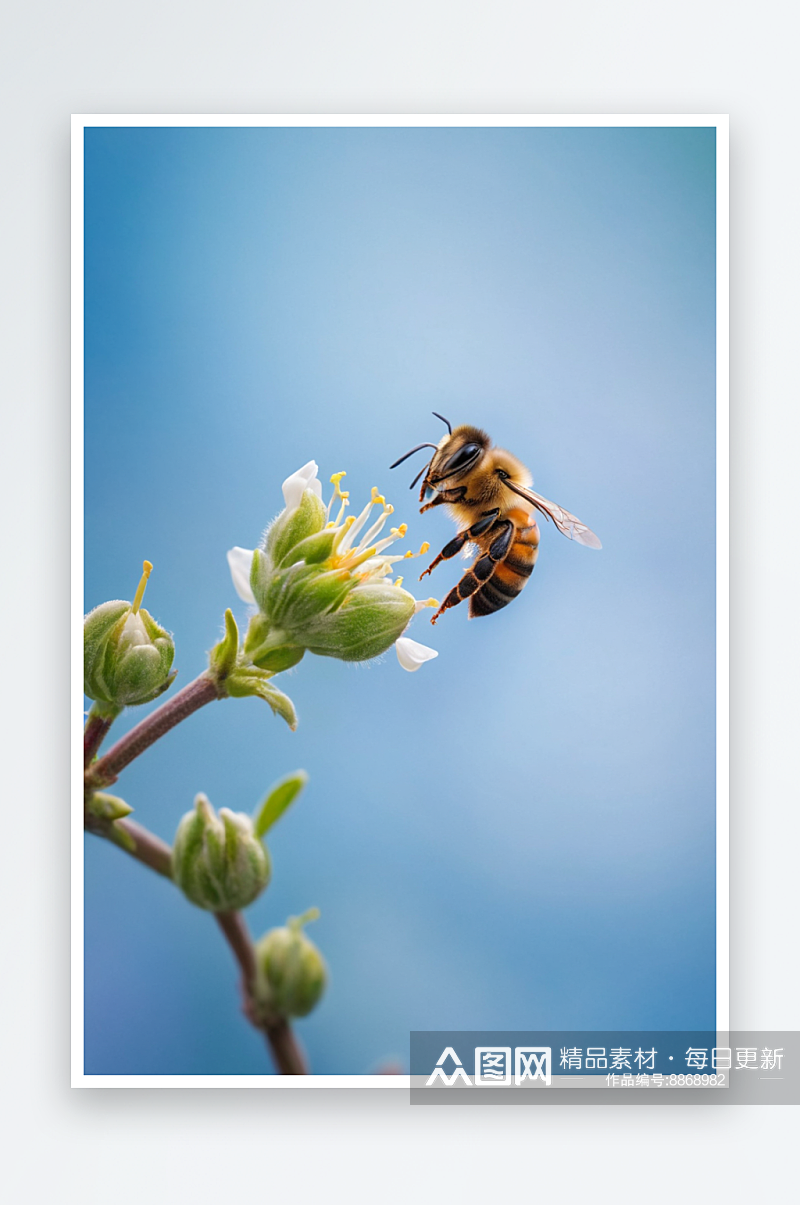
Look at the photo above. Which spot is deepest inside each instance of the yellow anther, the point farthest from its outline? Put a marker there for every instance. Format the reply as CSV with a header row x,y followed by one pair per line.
x,y
406,555
399,532
423,549
398,581
349,521
147,569
376,497
335,479
431,602
329,524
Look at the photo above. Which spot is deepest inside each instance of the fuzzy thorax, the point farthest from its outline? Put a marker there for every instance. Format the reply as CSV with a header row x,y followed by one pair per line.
x,y
486,489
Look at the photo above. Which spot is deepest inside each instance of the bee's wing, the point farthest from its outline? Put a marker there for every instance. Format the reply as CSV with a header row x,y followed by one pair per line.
x,y
566,523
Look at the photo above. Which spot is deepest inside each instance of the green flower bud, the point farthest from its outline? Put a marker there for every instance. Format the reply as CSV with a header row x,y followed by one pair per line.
x,y
367,624
290,971
217,860
127,656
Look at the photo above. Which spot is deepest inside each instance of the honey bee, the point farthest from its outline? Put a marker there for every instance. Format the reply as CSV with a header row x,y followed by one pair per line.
x,y
489,495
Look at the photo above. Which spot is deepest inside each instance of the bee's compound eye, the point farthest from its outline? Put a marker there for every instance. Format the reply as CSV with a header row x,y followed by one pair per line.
x,y
462,458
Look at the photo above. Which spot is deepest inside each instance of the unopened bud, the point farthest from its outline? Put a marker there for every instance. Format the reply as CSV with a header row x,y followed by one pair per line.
x,y
127,656
290,971
368,623
217,860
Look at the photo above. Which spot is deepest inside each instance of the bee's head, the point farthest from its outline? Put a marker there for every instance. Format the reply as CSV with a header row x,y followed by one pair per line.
x,y
458,452
455,454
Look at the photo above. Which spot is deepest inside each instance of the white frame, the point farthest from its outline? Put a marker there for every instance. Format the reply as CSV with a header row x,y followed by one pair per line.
x,y
79,123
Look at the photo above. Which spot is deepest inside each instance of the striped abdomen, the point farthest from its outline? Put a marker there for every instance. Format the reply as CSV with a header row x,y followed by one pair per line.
x,y
510,574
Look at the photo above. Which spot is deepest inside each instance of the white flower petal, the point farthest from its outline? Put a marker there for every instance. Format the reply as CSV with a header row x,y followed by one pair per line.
x,y
295,486
133,631
240,562
411,654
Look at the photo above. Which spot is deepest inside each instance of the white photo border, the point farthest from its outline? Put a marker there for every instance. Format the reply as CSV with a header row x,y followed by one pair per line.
x,y
387,120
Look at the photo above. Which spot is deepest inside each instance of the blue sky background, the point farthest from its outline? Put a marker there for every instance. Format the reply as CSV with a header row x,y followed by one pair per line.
x,y
520,835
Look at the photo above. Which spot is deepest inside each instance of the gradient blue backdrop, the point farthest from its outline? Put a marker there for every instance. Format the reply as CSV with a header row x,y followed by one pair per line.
x,y
522,833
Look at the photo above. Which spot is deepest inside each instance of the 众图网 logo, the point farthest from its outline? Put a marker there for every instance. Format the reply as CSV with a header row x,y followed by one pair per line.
x,y
493,1066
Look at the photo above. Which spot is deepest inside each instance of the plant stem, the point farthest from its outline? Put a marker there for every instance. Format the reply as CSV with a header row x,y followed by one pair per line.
x,y
194,696
282,1043
285,1048
94,734
149,849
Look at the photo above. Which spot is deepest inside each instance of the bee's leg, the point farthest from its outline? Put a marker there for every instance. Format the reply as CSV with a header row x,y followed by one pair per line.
x,y
439,500
454,547
483,568
455,494
458,494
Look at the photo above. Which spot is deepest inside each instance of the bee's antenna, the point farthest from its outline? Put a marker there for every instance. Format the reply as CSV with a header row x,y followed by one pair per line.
x,y
411,453
444,420
419,474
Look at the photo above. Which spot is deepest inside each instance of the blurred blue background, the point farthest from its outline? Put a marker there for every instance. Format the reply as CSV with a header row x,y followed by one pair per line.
x,y
521,834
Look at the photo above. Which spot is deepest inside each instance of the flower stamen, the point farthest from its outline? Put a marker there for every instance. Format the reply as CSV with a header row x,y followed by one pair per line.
x,y
348,523
147,569
338,492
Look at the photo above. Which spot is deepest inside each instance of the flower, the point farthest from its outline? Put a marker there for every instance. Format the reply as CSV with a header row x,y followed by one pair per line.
x,y
218,860
127,655
322,582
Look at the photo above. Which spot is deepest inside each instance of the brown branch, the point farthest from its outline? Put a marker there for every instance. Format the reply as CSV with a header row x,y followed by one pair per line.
x,y
146,848
194,696
234,928
94,734
283,1044
285,1048
149,849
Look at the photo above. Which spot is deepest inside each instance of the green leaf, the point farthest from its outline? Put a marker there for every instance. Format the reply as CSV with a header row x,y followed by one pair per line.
x,y
282,795
108,807
247,680
222,657
280,703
